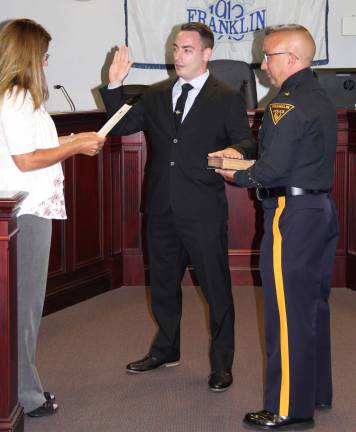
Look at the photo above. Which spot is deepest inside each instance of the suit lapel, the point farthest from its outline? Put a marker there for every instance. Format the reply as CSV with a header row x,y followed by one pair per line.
x,y
168,103
204,95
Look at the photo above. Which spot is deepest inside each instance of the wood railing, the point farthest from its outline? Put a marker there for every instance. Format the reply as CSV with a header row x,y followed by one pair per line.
x,y
11,413
101,246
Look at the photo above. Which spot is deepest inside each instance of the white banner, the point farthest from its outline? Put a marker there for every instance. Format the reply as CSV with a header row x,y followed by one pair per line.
x,y
151,26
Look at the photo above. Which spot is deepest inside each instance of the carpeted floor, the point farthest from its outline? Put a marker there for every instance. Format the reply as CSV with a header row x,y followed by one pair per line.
x,y
83,351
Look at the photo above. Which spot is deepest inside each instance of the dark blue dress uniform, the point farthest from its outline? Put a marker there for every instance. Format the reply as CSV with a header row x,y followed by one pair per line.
x,y
293,177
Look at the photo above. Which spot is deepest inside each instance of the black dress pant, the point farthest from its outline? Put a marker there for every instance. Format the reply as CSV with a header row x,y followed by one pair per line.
x,y
172,240
297,255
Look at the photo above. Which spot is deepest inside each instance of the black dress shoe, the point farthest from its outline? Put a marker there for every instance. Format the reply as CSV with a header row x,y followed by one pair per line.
x,y
220,381
150,363
49,396
323,406
47,409
267,420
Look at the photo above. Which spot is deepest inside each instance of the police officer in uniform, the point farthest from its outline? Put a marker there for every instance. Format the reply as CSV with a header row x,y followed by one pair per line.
x,y
293,177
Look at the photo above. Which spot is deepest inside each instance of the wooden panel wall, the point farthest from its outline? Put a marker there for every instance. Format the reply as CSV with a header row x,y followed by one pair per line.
x,y
245,214
350,271
102,246
87,245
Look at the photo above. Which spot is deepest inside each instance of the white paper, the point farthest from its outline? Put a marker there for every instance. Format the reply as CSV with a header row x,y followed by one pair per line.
x,y
114,120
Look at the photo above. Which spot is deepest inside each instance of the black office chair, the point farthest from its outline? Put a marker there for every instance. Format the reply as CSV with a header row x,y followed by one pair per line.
x,y
238,75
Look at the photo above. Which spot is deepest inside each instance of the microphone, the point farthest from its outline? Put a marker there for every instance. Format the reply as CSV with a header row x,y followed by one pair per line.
x,y
66,95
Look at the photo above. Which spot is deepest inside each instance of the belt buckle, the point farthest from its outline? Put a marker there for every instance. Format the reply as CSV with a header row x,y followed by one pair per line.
x,y
262,193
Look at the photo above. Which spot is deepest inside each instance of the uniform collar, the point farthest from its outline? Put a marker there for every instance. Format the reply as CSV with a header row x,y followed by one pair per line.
x,y
294,80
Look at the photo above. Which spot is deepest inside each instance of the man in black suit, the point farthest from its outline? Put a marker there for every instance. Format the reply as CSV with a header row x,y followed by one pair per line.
x,y
186,205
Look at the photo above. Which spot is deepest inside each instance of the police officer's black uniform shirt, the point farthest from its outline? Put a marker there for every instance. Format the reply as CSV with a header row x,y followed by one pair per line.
x,y
297,140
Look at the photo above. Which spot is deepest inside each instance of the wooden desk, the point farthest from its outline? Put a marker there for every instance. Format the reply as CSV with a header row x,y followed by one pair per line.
x,y
101,246
11,413
245,215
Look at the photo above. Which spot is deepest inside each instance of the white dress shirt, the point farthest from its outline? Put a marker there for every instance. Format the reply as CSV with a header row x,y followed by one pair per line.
x,y
197,84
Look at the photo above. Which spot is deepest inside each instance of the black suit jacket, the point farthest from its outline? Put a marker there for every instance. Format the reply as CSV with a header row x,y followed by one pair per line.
x,y
177,175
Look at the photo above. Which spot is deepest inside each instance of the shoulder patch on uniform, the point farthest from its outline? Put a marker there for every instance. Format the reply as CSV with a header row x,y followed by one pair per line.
x,y
279,110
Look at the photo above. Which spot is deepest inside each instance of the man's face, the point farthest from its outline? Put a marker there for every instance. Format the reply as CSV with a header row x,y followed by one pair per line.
x,y
277,63
190,57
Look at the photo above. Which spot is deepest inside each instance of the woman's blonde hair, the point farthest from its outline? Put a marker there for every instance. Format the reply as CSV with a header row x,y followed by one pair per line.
x,y
23,44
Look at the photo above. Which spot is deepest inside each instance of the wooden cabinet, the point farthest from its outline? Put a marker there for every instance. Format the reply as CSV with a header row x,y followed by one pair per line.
x,y
11,413
85,255
101,246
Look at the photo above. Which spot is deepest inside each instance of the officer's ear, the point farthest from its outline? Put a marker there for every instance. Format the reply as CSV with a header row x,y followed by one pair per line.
x,y
292,59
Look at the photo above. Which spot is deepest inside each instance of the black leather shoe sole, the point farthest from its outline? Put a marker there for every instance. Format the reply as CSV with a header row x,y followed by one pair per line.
x,y
149,364
47,409
292,427
133,371
264,420
220,389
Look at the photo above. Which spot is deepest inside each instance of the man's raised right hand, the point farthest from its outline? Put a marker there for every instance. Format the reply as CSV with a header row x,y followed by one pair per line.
x,y
120,66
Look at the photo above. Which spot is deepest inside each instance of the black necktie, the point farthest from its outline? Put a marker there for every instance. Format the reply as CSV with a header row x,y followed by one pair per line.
x,y
179,109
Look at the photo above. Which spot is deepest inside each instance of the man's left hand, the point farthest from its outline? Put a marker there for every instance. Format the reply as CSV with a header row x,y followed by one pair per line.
x,y
227,152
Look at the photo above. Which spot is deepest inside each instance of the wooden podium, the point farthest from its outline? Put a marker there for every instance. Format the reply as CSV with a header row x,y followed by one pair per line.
x,y
102,244
11,413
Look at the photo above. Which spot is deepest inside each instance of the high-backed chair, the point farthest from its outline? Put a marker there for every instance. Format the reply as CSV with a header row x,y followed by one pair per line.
x,y
238,75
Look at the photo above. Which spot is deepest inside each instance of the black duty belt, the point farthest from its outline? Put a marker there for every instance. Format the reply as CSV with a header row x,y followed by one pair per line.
x,y
291,191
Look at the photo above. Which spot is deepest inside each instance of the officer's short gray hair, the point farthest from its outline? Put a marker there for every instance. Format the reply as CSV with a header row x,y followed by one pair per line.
x,y
284,28
306,49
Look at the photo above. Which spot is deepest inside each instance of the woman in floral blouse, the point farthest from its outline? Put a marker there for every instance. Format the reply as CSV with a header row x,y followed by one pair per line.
x,y
30,160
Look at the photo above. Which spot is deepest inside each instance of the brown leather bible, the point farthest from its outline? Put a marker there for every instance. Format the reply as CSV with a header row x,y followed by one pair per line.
x,y
229,163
